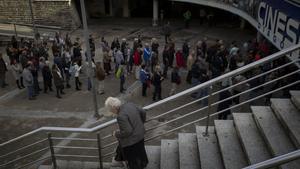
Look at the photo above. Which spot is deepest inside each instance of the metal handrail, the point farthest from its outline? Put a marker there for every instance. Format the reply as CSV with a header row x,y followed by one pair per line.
x,y
25,147
25,156
203,85
276,161
33,162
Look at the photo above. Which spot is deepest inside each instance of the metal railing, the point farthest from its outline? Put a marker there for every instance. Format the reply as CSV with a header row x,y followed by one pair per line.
x,y
277,161
193,112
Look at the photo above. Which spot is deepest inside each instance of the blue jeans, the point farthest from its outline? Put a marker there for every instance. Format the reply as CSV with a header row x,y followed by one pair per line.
x,y
30,91
200,93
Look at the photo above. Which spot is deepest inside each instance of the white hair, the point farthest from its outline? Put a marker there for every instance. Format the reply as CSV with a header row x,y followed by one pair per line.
x,y
112,102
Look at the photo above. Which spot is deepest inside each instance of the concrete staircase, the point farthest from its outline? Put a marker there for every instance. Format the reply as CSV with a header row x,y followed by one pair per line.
x,y
233,144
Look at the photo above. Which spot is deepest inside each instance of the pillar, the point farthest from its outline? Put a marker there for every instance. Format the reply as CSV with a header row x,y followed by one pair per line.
x,y
155,13
125,9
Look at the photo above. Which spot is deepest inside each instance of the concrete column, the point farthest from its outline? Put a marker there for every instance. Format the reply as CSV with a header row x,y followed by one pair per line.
x,y
155,13
125,9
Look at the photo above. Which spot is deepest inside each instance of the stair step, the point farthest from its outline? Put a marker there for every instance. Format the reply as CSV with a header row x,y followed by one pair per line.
x,y
231,150
45,167
274,134
153,153
210,156
75,165
188,151
251,140
295,96
289,116
169,154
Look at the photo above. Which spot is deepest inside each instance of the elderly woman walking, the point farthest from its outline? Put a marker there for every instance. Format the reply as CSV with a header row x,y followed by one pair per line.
x,y
131,121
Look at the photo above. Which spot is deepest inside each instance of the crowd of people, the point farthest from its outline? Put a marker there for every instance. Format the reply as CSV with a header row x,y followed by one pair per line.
x,y
144,60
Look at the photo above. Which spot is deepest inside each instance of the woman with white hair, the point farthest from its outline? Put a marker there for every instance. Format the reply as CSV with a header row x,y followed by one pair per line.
x,y
131,132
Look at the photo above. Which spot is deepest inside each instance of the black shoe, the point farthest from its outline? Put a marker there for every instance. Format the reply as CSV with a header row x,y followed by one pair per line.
x,y
32,98
63,93
68,86
58,97
78,89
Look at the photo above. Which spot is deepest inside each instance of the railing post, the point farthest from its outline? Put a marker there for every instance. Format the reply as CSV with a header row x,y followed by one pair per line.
x,y
52,151
208,109
99,150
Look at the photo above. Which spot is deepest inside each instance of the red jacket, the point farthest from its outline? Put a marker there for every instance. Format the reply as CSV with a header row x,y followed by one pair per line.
x,y
137,58
179,60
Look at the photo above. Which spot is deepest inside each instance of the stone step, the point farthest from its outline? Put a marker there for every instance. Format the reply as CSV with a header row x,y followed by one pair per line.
x,y
188,151
274,134
295,97
289,117
153,153
169,154
210,156
45,167
254,146
63,164
231,150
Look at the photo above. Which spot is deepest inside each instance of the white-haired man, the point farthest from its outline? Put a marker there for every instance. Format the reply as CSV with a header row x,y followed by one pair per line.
x,y
131,121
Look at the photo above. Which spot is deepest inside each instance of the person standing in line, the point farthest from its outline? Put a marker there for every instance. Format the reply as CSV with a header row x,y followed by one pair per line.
x,y
180,62
144,79
76,75
119,58
189,63
58,81
17,73
28,81
156,81
166,61
175,80
147,55
130,119
100,75
47,77
3,70
185,50
167,32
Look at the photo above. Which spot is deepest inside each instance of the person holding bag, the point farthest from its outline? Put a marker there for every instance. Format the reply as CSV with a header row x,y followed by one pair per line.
x,y
131,119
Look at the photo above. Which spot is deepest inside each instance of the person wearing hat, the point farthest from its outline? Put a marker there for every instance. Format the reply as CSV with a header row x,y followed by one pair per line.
x,y
130,119
47,77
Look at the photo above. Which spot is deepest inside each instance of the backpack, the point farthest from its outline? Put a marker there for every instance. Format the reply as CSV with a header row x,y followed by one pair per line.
x,y
119,72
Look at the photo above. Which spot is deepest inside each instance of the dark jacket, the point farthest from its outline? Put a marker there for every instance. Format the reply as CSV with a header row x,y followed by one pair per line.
x,y
57,78
47,76
131,121
3,67
157,79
